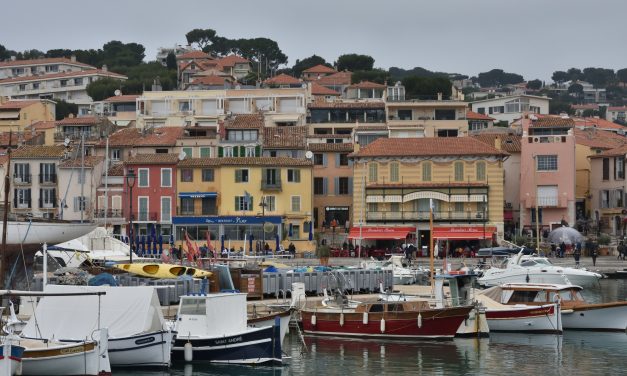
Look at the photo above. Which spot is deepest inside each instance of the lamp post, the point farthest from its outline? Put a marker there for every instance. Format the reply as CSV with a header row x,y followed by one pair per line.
x,y
263,204
130,182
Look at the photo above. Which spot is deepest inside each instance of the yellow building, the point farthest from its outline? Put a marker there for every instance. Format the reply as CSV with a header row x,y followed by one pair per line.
x,y
16,115
461,176
234,198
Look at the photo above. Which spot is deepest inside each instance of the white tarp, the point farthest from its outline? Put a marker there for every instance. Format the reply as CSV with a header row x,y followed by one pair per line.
x,y
99,243
125,311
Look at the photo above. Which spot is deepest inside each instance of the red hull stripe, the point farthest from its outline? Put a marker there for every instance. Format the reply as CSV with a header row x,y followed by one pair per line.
x,y
518,314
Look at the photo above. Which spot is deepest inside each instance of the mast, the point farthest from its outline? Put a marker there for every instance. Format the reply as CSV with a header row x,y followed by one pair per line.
x,y
5,219
83,201
432,250
106,201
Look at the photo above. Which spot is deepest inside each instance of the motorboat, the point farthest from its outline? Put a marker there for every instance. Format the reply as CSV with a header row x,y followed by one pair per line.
x,y
527,318
534,269
402,274
618,274
154,270
576,312
10,355
214,328
137,332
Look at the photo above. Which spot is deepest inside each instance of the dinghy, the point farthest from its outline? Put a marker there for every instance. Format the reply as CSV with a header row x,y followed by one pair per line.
x,y
163,270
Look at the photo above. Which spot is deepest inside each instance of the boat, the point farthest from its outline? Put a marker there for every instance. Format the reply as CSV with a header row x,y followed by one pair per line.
x,y
577,314
534,269
402,274
30,234
618,274
138,334
528,318
10,356
263,316
154,270
213,328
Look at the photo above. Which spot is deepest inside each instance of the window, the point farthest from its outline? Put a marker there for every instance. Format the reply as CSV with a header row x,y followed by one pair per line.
x,y
205,152
343,160
52,68
250,151
426,171
245,135
272,176
480,171
243,204
78,81
47,173
319,159
35,85
404,114
115,154
395,207
80,203
166,209
270,203
295,203
48,198
293,175
228,151
605,199
447,133
394,172
619,168
187,175
207,174
373,172
143,180
241,176
481,110
547,195
142,208
161,151
459,207
209,206
343,186
63,83
184,106
189,152
372,207
21,198
549,163
319,186
187,206
166,177
459,171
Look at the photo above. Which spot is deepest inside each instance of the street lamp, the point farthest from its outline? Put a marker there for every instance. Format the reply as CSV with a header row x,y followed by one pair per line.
x,y
263,204
130,182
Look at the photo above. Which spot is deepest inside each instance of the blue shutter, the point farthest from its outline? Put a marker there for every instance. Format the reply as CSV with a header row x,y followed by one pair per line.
x,y
325,182
337,160
324,160
336,186
350,186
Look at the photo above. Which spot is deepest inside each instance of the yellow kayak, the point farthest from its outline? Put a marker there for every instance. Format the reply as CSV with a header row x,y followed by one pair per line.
x,y
277,265
163,270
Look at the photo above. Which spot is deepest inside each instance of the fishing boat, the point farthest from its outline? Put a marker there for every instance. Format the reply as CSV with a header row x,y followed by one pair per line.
x,y
534,269
213,328
10,355
163,270
260,316
576,312
138,334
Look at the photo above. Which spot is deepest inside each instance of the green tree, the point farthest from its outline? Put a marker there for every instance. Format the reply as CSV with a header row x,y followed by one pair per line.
x,y
559,76
354,62
497,77
621,74
379,76
576,89
59,52
170,61
534,84
599,77
5,53
103,88
64,109
556,107
574,74
202,37
307,63
426,87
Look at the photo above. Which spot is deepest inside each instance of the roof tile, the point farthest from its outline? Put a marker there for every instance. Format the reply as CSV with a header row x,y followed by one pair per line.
x,y
83,120
553,121
42,77
245,121
90,161
331,147
17,104
471,115
244,161
162,158
122,98
419,147
317,89
282,79
319,69
193,55
38,151
509,142
367,85
284,137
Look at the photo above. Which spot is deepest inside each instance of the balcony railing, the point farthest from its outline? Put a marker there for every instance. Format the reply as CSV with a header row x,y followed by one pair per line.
x,y
20,179
110,213
145,216
467,216
48,179
196,212
271,185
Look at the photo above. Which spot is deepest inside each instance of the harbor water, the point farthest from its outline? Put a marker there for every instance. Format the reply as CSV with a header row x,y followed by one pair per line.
x,y
574,353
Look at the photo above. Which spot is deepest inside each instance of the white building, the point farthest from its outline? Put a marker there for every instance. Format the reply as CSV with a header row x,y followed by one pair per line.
x,y
512,107
616,114
79,185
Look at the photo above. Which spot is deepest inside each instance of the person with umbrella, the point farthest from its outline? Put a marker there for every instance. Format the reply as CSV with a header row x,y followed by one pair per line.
x,y
577,253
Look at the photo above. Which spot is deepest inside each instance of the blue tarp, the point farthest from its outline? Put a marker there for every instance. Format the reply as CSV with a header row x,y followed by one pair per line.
x,y
102,279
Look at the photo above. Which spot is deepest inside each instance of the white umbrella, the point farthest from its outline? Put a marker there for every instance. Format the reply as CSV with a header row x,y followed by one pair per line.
x,y
566,235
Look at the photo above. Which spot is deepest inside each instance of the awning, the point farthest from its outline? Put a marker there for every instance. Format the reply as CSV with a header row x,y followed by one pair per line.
x,y
197,194
380,233
463,232
508,215
10,115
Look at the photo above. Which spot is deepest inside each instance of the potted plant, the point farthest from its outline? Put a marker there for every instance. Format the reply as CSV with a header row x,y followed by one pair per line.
x,y
322,251
604,241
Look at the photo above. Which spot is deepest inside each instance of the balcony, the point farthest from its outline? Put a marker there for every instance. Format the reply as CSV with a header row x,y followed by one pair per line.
x,y
22,179
145,216
439,216
271,185
110,213
185,212
49,179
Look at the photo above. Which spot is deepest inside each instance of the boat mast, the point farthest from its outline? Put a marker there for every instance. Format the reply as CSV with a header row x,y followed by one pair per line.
x,y
83,201
5,219
106,201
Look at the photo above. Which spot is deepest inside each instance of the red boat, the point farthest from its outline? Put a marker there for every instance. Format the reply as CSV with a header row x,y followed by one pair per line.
x,y
400,320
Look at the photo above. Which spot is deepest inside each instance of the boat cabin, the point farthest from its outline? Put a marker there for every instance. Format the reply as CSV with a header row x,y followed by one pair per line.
x,y
379,307
535,294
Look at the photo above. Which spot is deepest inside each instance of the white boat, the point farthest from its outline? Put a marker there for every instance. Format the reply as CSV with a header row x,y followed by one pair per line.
x,y
11,355
402,275
576,313
32,234
213,328
138,334
534,269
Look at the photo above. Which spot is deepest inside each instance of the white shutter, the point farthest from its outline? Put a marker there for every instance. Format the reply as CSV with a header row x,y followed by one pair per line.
x,y
209,107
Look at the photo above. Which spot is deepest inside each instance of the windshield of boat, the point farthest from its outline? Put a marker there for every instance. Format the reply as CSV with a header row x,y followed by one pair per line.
x,y
193,306
565,295
528,263
543,261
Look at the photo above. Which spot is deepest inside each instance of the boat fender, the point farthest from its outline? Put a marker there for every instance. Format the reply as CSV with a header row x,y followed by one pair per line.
x,y
188,352
341,319
365,318
313,320
419,320
382,325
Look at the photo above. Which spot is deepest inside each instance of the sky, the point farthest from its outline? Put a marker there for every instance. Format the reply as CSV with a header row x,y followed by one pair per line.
x,y
529,37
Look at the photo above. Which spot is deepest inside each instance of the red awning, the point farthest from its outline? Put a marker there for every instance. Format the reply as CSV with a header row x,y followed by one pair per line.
x,y
380,233
508,215
463,232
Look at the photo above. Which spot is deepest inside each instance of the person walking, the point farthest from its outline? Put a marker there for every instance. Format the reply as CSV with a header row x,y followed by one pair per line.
x,y
594,253
621,251
577,254
562,249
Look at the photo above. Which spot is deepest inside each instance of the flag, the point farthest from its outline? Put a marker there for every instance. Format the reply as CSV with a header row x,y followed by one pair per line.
x,y
190,248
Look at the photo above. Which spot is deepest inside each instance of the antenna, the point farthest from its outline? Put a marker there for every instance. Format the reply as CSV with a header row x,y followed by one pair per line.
x,y
308,154
117,93
182,155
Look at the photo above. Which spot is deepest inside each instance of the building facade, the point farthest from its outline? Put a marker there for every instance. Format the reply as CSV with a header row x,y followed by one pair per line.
x,y
16,115
607,191
508,109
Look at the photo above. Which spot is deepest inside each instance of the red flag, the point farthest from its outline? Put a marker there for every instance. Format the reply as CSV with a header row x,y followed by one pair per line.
x,y
190,248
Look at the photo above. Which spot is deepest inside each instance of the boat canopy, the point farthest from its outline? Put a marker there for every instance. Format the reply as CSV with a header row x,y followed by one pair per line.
x,y
125,311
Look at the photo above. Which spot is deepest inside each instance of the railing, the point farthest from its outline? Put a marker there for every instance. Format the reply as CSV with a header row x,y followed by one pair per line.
x,y
470,216
273,185
196,212
48,179
145,216
22,179
110,213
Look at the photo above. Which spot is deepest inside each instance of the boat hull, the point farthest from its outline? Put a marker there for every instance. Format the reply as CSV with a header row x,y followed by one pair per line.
x,y
529,319
269,320
31,235
538,277
13,356
597,317
68,359
142,350
254,346
434,323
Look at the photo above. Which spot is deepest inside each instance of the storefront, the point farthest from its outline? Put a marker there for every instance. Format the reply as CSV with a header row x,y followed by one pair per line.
x,y
382,237
458,240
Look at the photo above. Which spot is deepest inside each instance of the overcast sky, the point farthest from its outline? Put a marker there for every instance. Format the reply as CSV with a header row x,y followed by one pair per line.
x,y
529,37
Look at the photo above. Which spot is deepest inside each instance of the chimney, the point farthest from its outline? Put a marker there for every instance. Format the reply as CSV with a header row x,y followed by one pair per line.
x,y
497,142
3,99
73,58
13,58
439,96
104,67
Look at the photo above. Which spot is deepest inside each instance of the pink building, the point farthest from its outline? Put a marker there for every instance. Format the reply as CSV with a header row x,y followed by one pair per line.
x,y
547,173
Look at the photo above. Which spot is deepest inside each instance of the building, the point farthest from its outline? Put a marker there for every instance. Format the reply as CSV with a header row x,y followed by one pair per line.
x,y
341,117
478,122
91,128
366,90
242,136
316,72
547,173
51,78
79,179
607,190
126,143
508,109
616,114
234,198
290,142
396,179
283,81
16,115
108,211
321,93
426,118
119,110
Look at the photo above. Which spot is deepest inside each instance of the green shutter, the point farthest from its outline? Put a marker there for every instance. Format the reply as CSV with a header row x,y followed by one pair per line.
x,y
257,151
250,208
220,152
236,203
242,151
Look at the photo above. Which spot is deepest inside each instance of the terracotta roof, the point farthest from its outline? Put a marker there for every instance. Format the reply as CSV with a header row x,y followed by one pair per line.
x,y
590,106
331,147
317,89
554,121
90,161
122,98
122,137
38,151
320,69
616,152
193,55
211,80
164,136
245,121
116,170
164,158
367,85
334,105
231,60
282,79
617,108
598,138
419,147
85,120
17,104
40,125
284,137
591,122
339,78
471,115
15,137
509,142
244,161
48,60
428,185
42,77
3,159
